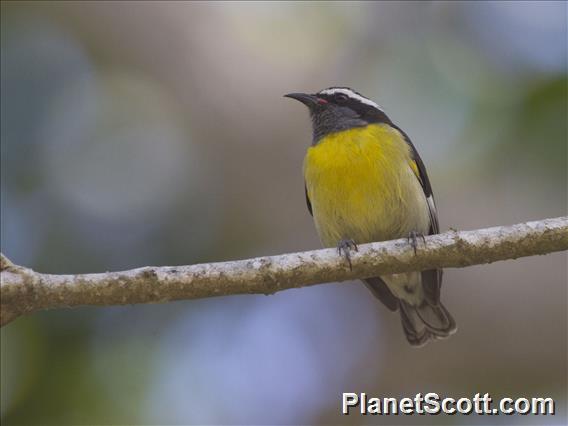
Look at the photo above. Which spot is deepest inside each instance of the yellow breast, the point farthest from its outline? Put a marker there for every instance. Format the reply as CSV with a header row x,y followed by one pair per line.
x,y
362,186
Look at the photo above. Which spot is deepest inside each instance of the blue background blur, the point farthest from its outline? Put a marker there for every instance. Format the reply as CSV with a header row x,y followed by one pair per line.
x,y
156,134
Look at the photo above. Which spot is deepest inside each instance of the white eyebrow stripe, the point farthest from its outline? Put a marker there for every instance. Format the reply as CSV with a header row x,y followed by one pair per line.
x,y
352,95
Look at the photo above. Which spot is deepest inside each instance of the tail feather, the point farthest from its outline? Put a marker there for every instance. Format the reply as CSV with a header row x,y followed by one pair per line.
x,y
428,319
425,322
437,319
415,331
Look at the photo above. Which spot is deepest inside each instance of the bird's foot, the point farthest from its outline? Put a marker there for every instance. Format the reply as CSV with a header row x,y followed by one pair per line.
x,y
413,238
344,248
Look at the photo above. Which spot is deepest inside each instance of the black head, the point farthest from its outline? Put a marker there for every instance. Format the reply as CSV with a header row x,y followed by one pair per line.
x,y
339,108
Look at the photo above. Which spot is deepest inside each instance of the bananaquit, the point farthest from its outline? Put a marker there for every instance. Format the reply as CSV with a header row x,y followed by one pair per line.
x,y
365,182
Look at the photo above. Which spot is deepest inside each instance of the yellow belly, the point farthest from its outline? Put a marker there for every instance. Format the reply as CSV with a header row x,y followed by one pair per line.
x,y
362,186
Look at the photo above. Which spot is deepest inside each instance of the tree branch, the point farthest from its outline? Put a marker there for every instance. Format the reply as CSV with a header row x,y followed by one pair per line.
x,y
23,290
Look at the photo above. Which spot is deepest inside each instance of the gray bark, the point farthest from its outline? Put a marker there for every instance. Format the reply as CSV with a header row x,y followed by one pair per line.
x,y
23,290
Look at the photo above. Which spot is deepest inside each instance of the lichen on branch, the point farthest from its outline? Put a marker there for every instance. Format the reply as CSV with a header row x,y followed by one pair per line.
x,y
24,291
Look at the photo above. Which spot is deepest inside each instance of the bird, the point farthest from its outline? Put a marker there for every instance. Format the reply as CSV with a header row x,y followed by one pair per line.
x,y
365,182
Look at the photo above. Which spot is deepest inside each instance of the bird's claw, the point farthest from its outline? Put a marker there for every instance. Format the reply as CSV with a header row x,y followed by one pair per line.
x,y
344,248
412,239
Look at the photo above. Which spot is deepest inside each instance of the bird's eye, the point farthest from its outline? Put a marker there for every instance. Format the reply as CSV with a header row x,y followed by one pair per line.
x,y
340,98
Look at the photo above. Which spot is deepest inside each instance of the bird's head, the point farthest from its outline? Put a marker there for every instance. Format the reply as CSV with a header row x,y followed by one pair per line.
x,y
339,108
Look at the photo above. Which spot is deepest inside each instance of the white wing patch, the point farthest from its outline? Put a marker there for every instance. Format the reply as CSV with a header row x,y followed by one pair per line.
x,y
433,212
351,94
431,204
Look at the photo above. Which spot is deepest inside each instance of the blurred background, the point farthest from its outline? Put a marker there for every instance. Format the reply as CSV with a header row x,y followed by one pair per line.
x,y
140,133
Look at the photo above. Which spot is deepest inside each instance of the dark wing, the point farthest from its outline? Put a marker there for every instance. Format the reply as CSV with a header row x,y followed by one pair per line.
x,y
308,200
382,292
425,182
432,279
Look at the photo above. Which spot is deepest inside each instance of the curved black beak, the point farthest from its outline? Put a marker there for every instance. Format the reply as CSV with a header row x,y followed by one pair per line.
x,y
308,100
